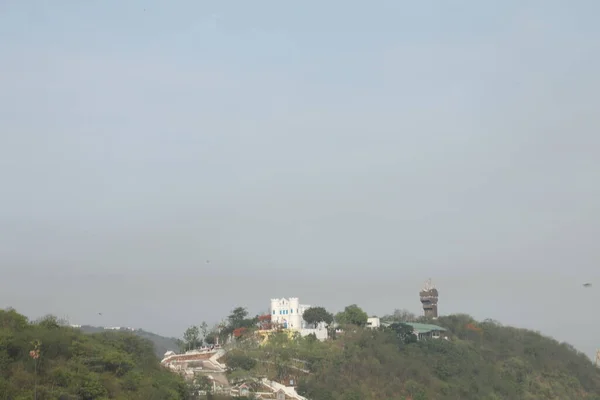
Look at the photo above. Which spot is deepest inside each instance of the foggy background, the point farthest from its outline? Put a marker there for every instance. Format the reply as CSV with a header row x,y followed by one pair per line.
x,y
335,151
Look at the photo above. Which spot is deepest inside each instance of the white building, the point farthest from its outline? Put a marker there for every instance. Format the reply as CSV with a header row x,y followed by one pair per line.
x,y
373,322
288,313
320,332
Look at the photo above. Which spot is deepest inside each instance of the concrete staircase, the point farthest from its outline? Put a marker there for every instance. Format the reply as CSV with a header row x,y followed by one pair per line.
x,y
214,360
276,386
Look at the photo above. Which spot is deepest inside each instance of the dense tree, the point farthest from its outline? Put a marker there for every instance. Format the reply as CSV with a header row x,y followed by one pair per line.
x,y
191,336
353,315
502,363
211,338
49,322
181,345
237,316
236,361
248,323
404,332
237,320
44,360
479,361
162,344
204,329
204,383
400,315
316,315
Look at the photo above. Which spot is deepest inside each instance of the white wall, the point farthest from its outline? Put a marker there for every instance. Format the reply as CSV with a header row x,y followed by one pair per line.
x,y
373,322
288,312
320,332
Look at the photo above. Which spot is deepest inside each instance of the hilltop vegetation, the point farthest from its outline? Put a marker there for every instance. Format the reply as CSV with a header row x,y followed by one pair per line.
x,y
45,361
161,344
480,361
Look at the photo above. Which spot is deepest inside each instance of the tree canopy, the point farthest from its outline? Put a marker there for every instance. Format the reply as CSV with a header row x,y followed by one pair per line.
x,y
237,316
46,361
479,361
353,315
400,315
236,324
191,337
404,332
162,344
316,315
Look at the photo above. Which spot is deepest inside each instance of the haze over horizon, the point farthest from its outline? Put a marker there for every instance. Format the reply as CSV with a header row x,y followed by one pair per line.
x,y
336,152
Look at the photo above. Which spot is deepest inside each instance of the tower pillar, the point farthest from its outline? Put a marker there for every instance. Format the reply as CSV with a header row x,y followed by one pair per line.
x,y
429,299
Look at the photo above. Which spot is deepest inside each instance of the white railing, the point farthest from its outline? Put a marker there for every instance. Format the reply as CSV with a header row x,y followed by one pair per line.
x,y
276,387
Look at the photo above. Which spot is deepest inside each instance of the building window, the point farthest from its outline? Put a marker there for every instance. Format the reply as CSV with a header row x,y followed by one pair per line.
x,y
273,312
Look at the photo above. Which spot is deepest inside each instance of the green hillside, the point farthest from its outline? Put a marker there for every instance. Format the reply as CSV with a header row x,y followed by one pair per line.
x,y
46,361
479,361
161,344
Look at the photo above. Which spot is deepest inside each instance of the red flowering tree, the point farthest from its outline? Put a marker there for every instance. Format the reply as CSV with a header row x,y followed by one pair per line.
x,y
264,322
477,331
239,332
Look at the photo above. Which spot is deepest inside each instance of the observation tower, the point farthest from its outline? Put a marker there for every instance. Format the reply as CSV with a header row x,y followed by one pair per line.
x,y
429,300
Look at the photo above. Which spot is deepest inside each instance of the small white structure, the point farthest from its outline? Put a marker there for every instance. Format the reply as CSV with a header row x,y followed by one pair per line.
x,y
288,313
320,331
373,322
194,360
282,392
118,328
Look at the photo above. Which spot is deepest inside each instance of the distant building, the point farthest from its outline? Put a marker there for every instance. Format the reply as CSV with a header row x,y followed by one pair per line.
x,y
118,328
423,331
287,313
320,331
429,300
373,322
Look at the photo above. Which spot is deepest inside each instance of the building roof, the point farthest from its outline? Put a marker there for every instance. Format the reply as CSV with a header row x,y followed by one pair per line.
x,y
425,328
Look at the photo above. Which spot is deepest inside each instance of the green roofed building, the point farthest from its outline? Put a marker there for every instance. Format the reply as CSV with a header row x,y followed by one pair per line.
x,y
427,330
423,331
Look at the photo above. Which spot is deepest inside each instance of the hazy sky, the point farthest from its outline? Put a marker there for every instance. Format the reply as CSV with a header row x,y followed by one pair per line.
x,y
340,152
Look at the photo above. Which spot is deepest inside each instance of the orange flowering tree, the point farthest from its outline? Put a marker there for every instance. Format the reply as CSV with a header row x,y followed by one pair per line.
x,y
239,332
475,329
35,355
